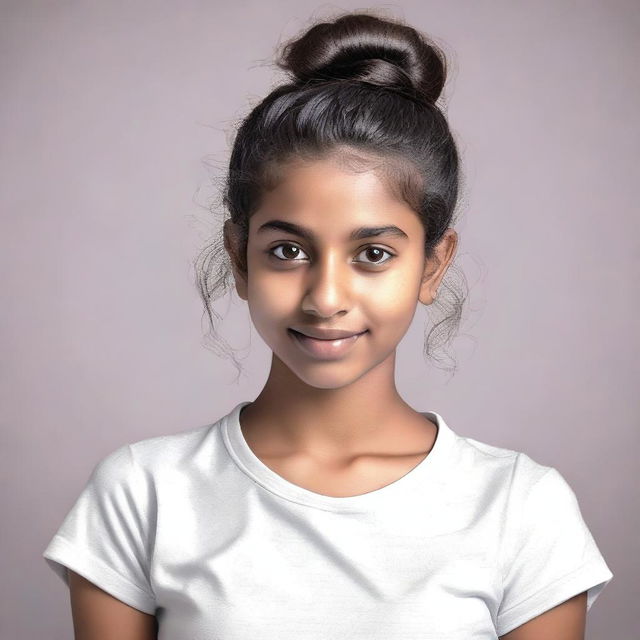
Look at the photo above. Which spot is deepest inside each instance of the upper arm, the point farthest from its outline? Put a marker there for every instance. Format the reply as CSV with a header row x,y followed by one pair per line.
x,y
566,621
97,615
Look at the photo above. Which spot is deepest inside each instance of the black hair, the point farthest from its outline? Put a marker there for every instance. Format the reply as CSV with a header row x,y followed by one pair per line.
x,y
362,89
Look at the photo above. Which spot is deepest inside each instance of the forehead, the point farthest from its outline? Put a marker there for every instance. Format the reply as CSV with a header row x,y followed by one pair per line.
x,y
332,199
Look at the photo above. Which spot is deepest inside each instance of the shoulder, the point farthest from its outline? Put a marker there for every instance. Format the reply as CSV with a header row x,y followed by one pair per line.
x,y
504,466
148,457
532,497
508,479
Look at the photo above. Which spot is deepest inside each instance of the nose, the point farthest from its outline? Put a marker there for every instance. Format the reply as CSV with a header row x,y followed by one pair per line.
x,y
327,289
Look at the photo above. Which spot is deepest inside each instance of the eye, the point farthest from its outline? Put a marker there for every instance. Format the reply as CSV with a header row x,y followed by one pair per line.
x,y
374,252
377,252
289,247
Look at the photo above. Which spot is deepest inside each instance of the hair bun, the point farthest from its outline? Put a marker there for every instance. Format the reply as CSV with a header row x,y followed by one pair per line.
x,y
370,49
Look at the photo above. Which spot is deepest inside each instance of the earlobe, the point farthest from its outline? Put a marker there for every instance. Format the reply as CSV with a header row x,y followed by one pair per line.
x,y
436,267
430,283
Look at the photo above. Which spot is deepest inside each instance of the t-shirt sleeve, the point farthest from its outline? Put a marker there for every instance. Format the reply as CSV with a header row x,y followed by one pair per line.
x,y
549,556
105,536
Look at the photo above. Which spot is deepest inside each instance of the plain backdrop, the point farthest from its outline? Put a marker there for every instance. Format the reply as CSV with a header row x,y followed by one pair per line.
x,y
110,114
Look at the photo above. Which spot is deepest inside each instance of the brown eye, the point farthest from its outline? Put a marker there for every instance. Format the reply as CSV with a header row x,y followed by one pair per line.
x,y
375,253
290,253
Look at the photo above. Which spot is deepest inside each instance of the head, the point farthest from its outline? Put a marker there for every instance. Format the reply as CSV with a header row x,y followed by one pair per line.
x,y
354,142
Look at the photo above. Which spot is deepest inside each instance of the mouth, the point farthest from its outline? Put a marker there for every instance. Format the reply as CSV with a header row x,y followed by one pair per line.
x,y
324,349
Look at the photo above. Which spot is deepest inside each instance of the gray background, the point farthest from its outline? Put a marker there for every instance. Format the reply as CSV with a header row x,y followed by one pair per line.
x,y
108,110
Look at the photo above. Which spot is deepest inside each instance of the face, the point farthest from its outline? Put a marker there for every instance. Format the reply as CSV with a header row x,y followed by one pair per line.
x,y
331,249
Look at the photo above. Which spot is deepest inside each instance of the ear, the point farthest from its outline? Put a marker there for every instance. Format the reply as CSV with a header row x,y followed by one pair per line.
x,y
232,234
435,268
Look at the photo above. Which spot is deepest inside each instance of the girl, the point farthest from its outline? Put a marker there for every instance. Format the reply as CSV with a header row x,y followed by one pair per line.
x,y
328,507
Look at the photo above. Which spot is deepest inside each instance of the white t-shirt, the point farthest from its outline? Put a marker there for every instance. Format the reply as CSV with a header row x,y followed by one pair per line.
x,y
192,527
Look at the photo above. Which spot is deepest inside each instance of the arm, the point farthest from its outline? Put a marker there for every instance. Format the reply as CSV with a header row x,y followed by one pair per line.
x,y
97,615
567,621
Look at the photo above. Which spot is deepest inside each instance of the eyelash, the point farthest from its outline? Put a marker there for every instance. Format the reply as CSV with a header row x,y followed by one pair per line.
x,y
290,244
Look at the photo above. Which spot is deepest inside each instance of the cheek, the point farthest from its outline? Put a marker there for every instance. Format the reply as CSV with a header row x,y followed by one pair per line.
x,y
391,306
271,298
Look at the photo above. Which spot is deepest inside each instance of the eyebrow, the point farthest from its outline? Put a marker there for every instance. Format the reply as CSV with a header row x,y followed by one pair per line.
x,y
356,234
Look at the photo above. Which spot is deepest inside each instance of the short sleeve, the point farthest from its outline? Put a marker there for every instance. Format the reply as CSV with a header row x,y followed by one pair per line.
x,y
105,536
549,556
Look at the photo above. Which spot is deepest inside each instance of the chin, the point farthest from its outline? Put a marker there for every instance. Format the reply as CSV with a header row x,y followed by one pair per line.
x,y
326,380
334,374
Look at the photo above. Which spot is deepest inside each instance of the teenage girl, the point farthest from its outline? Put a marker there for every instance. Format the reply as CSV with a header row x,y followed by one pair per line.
x,y
328,508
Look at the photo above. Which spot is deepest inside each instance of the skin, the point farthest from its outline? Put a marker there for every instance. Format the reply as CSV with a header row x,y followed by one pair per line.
x,y
340,427
97,615
343,416
335,427
567,621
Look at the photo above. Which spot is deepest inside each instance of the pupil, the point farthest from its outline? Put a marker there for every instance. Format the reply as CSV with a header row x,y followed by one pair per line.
x,y
377,251
289,248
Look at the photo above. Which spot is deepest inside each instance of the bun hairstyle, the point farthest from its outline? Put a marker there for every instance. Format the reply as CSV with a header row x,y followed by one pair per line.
x,y
364,48
363,90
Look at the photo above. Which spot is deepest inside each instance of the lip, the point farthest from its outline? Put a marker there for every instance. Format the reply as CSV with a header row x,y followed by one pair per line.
x,y
324,349
325,334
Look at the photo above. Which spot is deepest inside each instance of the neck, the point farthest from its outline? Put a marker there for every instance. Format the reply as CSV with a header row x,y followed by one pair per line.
x,y
367,413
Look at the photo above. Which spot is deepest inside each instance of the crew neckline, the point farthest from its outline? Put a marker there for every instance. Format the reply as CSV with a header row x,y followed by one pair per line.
x,y
420,478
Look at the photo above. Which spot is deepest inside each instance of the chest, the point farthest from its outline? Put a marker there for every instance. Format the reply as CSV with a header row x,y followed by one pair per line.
x,y
251,565
351,478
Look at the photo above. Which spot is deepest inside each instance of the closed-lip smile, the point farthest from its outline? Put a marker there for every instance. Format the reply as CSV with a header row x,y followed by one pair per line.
x,y
326,334
325,344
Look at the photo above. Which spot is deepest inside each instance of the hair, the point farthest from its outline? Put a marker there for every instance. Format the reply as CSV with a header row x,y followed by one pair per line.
x,y
362,90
